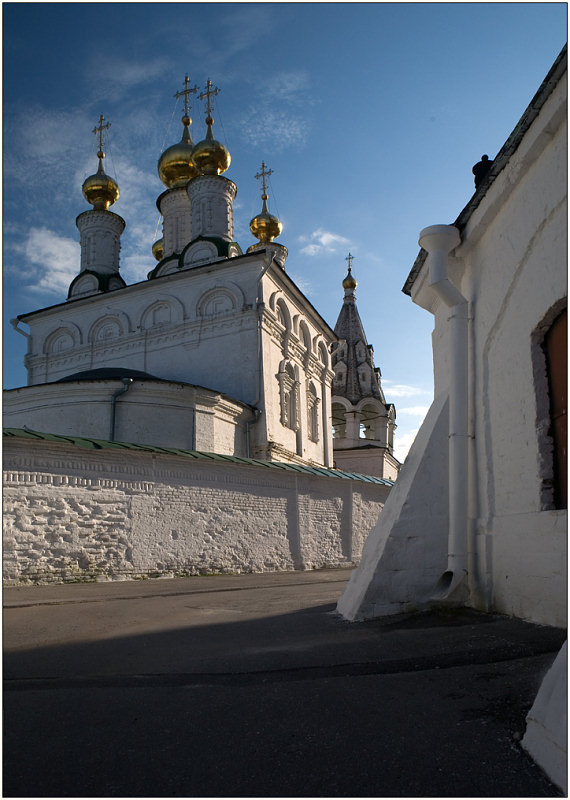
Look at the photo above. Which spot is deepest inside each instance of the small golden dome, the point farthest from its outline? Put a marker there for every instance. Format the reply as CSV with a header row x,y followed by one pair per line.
x,y
210,156
158,249
265,226
176,165
100,190
350,281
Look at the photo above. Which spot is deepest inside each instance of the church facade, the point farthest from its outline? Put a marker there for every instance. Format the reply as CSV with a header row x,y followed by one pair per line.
x,y
218,350
182,424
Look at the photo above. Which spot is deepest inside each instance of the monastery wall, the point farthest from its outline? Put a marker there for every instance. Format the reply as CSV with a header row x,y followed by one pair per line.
x,y
75,514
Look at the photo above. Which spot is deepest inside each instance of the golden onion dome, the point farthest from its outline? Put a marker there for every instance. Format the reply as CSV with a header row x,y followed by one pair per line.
x,y
176,165
265,226
158,249
350,281
99,189
210,156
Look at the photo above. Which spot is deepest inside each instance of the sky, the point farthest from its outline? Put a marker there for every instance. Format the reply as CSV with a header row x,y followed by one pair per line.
x,y
371,116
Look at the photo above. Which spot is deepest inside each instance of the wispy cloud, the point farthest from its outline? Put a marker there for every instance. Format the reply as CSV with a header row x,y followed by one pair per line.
x,y
138,192
116,77
403,442
304,285
278,119
55,261
414,411
48,149
403,390
321,241
273,128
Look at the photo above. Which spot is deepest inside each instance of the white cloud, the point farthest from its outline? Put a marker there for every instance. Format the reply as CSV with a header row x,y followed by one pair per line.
x,y
403,390
277,129
115,77
56,260
403,442
322,241
416,411
286,86
304,285
311,249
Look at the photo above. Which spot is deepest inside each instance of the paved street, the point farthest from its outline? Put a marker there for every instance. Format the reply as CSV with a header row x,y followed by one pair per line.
x,y
252,686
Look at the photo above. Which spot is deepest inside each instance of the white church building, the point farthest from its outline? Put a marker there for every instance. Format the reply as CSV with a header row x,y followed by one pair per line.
x,y
217,351
217,357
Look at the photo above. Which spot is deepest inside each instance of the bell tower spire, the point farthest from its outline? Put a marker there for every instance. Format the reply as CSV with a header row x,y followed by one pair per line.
x,y
363,422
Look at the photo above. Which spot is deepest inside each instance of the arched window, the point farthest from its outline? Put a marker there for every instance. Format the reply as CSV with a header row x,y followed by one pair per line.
x,y
305,336
555,352
313,412
283,314
288,389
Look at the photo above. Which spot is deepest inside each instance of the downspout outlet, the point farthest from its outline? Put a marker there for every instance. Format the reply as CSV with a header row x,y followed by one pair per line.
x,y
126,386
439,241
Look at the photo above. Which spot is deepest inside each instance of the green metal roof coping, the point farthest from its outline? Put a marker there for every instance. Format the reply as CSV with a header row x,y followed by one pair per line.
x,y
101,444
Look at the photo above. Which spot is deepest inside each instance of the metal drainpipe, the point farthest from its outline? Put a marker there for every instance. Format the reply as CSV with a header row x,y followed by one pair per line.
x,y
14,323
439,241
126,386
256,411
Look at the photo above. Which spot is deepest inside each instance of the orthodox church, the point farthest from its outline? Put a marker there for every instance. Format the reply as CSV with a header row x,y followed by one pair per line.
x,y
217,351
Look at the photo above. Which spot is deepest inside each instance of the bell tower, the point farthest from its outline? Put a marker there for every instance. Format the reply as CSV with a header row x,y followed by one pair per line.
x,y
363,422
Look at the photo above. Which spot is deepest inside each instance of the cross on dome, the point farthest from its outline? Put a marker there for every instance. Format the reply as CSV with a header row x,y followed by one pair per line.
x,y
209,93
263,174
99,129
349,283
99,189
186,92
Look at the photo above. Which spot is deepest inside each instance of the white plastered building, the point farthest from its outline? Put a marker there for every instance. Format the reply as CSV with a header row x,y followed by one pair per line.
x,y
218,350
478,516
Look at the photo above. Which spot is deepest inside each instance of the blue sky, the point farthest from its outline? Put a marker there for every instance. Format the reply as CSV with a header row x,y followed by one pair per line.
x,y
370,115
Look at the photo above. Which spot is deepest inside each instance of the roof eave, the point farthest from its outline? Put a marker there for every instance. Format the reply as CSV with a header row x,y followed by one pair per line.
x,y
501,160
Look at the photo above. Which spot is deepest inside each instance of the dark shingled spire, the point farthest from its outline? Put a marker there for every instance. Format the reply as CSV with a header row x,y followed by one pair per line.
x,y
362,378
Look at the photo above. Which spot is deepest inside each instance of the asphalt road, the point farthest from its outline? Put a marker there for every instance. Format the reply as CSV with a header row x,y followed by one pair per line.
x,y
253,686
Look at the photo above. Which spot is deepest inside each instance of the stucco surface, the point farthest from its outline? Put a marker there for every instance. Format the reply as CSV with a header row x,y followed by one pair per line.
x,y
85,515
511,268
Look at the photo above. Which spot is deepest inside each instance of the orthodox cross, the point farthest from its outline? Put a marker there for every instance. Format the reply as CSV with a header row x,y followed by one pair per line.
x,y
263,174
100,130
209,93
349,258
186,91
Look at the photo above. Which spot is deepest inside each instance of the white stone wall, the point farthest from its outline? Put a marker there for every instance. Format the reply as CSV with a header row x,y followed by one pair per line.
x,y
151,412
512,268
74,514
294,339
215,326
368,461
